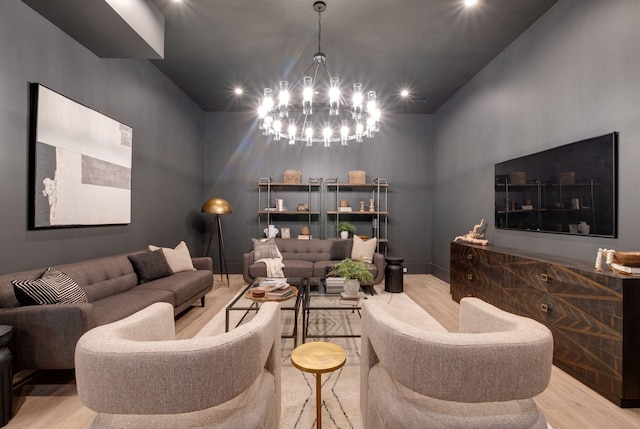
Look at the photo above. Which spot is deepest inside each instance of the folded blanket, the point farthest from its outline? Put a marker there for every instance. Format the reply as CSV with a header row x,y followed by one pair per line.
x,y
274,265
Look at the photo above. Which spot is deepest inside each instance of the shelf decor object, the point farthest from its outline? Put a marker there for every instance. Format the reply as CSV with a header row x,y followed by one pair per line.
x,y
339,121
218,206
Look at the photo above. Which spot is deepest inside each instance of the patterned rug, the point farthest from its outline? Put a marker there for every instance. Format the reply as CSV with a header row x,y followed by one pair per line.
x,y
341,388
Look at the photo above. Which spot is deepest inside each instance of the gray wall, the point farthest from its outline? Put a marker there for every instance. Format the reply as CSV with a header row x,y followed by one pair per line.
x,y
236,155
167,148
574,74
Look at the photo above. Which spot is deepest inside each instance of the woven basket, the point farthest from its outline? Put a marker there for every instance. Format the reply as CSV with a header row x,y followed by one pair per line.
x,y
629,259
357,177
292,176
567,178
517,178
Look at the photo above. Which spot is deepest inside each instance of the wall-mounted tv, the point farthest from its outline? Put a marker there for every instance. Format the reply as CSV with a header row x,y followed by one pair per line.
x,y
570,189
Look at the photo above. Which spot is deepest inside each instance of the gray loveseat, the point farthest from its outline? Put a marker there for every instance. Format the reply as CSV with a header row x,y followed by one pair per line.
x,y
45,336
309,258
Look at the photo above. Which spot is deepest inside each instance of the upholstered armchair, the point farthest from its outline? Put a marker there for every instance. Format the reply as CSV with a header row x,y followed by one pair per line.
x,y
483,376
134,373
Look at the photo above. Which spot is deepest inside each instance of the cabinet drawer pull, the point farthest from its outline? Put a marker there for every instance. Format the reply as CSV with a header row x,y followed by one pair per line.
x,y
544,277
469,256
469,276
544,307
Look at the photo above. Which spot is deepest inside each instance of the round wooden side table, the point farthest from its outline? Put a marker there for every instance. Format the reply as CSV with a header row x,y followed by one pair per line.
x,y
318,357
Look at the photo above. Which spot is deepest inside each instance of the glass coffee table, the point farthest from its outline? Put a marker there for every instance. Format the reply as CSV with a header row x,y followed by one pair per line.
x,y
329,314
244,307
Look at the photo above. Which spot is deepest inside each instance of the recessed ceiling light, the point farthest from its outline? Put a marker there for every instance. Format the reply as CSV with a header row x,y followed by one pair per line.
x,y
238,90
469,3
404,93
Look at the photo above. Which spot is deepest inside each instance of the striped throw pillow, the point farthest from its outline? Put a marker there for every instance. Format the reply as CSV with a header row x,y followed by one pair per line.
x,y
53,287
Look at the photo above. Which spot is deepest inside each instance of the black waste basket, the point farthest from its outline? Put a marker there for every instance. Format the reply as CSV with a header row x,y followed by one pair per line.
x,y
393,275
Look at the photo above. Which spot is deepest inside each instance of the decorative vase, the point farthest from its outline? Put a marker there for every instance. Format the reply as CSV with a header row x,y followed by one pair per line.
x,y
351,287
584,228
344,234
271,231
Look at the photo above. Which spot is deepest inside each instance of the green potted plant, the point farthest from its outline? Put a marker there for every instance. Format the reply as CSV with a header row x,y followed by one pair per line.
x,y
353,273
345,228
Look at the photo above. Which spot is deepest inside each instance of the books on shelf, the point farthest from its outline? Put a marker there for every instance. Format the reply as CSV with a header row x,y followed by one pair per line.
x,y
345,209
304,237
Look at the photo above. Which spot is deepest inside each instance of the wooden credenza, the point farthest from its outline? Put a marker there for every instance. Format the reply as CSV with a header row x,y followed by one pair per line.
x,y
594,316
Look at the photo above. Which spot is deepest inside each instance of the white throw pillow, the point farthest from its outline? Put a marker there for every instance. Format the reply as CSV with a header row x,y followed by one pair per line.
x,y
363,250
179,259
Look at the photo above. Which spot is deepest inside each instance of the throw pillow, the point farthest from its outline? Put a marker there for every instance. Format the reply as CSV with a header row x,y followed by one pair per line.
x,y
340,249
265,249
363,250
179,259
150,265
53,287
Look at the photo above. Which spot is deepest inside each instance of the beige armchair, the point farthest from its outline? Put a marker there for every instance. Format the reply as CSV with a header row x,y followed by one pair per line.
x,y
482,376
134,373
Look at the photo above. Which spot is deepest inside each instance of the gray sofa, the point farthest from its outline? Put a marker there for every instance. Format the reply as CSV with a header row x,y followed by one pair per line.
x,y
309,258
45,336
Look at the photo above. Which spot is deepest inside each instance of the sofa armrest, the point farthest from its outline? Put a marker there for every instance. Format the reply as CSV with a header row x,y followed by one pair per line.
x,y
203,263
378,261
45,336
247,260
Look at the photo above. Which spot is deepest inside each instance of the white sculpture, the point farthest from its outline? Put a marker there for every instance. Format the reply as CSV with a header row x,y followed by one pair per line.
x,y
476,236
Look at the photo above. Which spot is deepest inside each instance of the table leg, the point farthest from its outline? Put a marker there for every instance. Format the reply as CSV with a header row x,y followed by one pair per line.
x,y
319,400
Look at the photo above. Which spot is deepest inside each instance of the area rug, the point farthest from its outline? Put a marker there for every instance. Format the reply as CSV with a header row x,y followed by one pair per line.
x,y
340,389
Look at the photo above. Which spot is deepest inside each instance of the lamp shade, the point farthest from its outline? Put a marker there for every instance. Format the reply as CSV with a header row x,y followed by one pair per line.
x,y
217,206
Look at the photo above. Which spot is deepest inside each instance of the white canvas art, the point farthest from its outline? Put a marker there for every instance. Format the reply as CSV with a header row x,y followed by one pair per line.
x,y
81,164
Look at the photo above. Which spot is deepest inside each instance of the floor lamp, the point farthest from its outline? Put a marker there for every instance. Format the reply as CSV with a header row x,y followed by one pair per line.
x,y
218,206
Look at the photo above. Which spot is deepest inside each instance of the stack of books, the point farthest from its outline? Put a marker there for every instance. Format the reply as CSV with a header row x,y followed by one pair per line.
x,y
273,281
304,237
280,291
334,284
349,300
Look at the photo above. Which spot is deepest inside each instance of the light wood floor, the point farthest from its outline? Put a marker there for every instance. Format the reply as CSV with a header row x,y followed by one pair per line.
x,y
49,399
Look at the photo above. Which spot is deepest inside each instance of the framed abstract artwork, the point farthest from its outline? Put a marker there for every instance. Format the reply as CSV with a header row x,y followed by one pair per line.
x,y
80,164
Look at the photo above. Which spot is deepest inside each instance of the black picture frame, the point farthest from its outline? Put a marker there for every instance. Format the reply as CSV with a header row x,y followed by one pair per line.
x,y
80,163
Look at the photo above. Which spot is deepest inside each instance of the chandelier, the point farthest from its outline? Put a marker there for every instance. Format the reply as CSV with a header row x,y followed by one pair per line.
x,y
307,120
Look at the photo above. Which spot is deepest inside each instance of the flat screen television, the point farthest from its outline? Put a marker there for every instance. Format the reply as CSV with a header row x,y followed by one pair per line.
x,y
570,189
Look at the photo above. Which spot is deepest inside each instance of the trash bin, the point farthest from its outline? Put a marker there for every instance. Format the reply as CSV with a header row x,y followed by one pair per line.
x,y
393,275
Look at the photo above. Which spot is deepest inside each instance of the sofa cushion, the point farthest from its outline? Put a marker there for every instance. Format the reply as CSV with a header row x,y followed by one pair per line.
x,y
363,250
184,286
53,287
340,249
124,304
265,249
292,268
179,259
150,265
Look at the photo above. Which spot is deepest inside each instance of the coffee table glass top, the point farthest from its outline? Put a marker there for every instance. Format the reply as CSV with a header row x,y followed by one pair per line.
x,y
244,307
